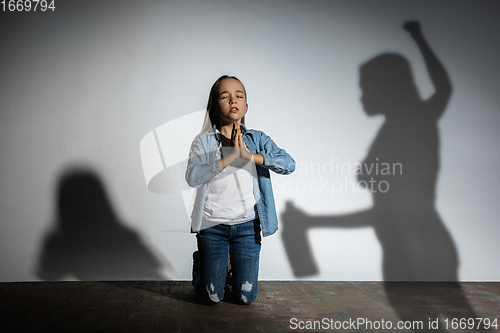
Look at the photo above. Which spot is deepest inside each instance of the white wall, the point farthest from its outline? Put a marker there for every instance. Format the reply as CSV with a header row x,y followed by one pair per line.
x,y
81,86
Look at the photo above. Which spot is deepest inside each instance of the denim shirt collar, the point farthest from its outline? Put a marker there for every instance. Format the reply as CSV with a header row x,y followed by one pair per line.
x,y
214,128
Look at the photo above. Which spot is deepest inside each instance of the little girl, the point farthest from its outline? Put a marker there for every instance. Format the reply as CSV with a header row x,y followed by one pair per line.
x,y
229,164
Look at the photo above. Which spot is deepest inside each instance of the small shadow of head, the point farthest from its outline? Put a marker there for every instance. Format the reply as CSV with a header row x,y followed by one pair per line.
x,y
88,242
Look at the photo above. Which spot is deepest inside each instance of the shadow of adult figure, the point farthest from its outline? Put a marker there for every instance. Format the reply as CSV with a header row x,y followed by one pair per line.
x,y
400,170
88,242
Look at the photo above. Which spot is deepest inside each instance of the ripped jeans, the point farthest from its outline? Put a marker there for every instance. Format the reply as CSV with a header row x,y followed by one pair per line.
x,y
242,242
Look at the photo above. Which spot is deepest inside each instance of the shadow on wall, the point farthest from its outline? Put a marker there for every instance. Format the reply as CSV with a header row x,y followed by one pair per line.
x,y
88,242
401,171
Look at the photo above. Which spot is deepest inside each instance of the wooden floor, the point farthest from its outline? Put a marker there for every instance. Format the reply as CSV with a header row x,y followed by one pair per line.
x,y
171,306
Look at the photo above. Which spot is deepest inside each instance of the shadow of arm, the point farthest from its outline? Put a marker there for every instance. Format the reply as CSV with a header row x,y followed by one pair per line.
x,y
437,72
294,234
295,217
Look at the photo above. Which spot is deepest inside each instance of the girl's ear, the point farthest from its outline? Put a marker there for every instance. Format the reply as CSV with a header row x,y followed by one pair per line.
x,y
246,108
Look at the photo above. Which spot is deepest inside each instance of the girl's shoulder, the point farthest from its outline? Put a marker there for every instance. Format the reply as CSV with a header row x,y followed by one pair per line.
x,y
259,138
255,132
204,141
204,136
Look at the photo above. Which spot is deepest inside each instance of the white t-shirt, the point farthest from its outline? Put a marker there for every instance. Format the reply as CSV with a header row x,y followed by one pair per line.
x,y
229,198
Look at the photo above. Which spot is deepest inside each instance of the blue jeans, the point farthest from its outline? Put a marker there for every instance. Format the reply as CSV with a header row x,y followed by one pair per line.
x,y
242,242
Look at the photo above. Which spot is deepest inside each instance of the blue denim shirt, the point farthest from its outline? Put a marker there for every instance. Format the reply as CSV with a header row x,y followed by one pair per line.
x,y
203,166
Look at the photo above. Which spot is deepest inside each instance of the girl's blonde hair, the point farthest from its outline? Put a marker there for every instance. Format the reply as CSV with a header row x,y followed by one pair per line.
x,y
213,106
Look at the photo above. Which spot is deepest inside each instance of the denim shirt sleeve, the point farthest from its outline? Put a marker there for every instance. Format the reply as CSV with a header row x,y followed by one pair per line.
x,y
202,164
275,158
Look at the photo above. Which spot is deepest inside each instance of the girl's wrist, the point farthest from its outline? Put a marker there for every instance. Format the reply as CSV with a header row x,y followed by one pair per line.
x,y
227,160
257,159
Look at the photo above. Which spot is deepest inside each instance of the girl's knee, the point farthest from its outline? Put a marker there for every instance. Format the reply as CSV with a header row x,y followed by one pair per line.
x,y
212,295
247,293
247,299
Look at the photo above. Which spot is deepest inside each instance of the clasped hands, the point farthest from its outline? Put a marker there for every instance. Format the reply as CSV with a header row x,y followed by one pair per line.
x,y
239,149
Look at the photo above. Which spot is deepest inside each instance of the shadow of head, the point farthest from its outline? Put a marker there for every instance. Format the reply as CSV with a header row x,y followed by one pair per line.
x,y
82,201
387,85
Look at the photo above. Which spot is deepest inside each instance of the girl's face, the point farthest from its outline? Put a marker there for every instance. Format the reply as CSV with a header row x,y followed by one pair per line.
x,y
232,101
